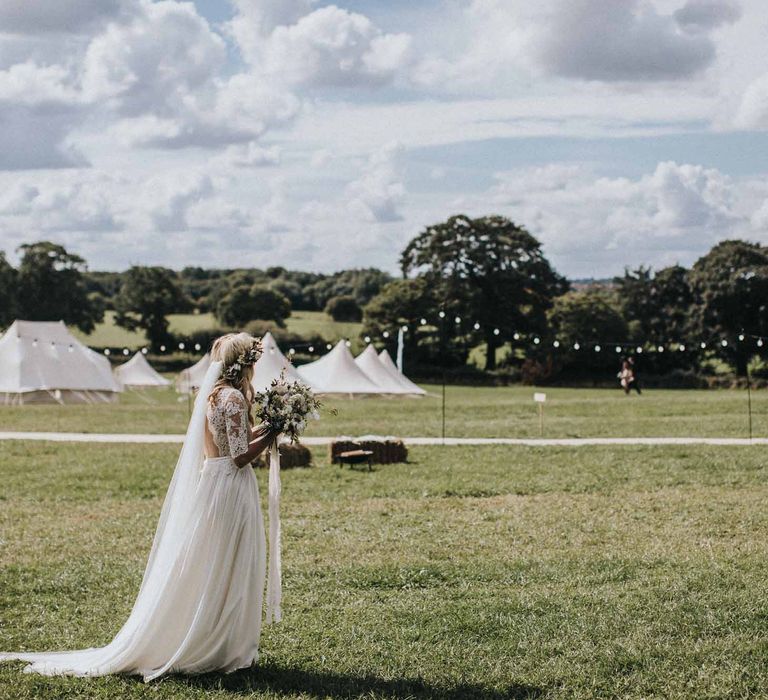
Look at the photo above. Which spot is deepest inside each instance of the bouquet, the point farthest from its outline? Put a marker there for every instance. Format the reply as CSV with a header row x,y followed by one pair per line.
x,y
286,406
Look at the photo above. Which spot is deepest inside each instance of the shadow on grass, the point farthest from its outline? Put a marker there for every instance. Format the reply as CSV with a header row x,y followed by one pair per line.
x,y
270,678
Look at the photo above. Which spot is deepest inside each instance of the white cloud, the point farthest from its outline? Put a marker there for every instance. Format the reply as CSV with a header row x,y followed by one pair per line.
x,y
515,41
378,193
702,15
58,16
596,225
333,47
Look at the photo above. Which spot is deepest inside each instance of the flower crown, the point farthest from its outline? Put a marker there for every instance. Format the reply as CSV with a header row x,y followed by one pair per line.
x,y
244,359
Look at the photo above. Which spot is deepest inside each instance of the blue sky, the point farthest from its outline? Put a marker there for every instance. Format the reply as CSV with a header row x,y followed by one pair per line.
x,y
323,136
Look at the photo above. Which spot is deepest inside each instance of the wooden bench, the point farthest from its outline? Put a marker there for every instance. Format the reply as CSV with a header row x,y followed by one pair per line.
x,y
356,457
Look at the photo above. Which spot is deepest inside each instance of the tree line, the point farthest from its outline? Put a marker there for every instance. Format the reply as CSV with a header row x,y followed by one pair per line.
x,y
489,273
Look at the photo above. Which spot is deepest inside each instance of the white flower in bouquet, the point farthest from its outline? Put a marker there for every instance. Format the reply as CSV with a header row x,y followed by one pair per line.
x,y
286,406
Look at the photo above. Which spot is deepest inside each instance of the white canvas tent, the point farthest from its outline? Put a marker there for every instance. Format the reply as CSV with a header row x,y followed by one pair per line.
x,y
271,364
137,372
42,362
337,373
369,362
396,374
191,378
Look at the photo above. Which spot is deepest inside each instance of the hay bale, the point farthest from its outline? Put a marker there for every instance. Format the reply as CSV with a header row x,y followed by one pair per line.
x,y
386,450
291,455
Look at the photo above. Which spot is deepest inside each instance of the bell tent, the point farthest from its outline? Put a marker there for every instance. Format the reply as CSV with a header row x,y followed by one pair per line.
x,y
369,362
42,362
337,373
138,373
271,364
190,379
396,374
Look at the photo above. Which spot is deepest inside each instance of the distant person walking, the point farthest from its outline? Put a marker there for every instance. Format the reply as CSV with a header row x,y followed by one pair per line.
x,y
627,377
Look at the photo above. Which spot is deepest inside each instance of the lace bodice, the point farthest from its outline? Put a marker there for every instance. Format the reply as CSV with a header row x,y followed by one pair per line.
x,y
228,422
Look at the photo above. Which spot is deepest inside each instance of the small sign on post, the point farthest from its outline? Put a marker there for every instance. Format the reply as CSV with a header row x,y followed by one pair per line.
x,y
540,399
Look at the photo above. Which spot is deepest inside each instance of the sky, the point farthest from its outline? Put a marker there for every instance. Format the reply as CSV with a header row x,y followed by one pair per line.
x,y
226,133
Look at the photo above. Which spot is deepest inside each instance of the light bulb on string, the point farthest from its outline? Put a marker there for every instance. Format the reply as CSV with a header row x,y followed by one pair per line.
x,y
311,348
34,343
576,346
441,314
681,348
144,351
556,344
660,348
618,348
423,321
597,348
385,334
457,319
71,347
328,346
476,326
536,341
404,329
106,351
271,351
639,350
724,343
703,346
291,351
741,336
197,347
162,348
759,342
496,331
125,351
181,346
348,343
516,336
367,339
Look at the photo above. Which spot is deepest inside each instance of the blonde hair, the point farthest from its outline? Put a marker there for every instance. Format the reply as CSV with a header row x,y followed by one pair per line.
x,y
226,349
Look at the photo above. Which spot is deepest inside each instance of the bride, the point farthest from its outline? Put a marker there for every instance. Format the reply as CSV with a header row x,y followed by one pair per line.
x,y
199,607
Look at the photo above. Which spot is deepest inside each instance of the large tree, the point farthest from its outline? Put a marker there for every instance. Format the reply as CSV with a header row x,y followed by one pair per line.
x,y
246,303
51,287
405,303
489,271
8,292
658,306
730,284
586,319
146,297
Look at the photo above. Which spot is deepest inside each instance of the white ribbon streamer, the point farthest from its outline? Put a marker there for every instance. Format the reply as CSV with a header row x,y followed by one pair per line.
x,y
274,585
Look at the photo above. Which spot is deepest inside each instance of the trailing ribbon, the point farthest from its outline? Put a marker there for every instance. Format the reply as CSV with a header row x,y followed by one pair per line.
x,y
274,585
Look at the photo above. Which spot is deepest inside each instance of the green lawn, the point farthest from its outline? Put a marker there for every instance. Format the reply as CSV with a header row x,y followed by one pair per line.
x,y
470,411
467,573
303,322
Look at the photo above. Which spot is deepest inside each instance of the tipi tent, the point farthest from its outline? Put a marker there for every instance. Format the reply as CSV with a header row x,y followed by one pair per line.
x,y
137,372
191,378
394,372
337,373
271,364
369,362
42,362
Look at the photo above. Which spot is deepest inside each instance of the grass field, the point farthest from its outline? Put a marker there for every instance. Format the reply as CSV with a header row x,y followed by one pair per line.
x,y
467,573
303,322
470,411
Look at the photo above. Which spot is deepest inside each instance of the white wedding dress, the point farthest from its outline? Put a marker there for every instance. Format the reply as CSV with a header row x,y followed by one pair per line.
x,y
199,607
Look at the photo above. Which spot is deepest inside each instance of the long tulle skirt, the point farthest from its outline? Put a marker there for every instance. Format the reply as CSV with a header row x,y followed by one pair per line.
x,y
207,614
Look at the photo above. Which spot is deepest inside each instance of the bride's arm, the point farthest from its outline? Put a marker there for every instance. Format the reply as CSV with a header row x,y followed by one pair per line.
x,y
255,448
244,444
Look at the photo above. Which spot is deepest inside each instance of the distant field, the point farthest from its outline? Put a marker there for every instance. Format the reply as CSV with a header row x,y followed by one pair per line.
x,y
470,411
303,322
